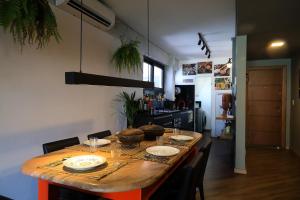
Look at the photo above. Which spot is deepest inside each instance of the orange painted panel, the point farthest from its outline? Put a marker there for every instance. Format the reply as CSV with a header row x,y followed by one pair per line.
x,y
43,189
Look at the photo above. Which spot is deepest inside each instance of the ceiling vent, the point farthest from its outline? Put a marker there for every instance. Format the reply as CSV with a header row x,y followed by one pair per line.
x,y
93,12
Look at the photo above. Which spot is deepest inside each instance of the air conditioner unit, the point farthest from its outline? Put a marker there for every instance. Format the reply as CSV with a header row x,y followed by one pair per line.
x,y
94,12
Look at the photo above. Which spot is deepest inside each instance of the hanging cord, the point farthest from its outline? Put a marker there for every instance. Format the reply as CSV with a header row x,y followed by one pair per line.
x,y
80,36
148,28
148,39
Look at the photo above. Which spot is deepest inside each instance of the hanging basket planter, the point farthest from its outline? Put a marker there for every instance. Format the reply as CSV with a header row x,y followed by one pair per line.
x,y
29,21
127,57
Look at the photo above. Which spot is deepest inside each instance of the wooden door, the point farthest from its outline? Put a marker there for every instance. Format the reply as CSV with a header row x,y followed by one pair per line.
x,y
266,106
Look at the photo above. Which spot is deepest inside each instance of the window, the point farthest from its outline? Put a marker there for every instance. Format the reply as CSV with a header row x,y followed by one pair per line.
x,y
146,72
153,71
158,77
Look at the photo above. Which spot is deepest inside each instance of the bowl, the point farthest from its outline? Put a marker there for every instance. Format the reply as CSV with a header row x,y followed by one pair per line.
x,y
131,137
151,131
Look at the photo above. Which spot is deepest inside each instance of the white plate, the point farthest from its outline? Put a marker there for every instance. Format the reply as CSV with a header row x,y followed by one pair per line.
x,y
182,137
100,142
86,162
162,150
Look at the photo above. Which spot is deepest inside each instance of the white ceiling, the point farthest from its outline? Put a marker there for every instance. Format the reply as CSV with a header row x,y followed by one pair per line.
x,y
174,24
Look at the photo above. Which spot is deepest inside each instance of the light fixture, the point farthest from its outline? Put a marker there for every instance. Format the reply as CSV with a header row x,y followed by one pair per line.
x,y
79,78
202,40
277,43
206,52
199,42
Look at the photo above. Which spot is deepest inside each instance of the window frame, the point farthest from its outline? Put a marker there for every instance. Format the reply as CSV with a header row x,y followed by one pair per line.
x,y
155,63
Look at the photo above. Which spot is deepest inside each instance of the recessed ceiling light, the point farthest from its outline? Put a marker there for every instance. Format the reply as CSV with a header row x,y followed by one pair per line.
x,y
277,44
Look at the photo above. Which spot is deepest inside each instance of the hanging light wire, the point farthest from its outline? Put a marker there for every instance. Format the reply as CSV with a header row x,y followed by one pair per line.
x,y
81,36
148,39
148,28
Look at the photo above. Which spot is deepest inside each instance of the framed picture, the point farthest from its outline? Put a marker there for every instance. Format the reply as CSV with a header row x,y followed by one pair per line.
x,y
188,69
222,84
221,70
204,68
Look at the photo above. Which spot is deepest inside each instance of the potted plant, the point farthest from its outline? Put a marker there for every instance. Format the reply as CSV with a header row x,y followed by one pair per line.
x,y
130,106
127,56
29,21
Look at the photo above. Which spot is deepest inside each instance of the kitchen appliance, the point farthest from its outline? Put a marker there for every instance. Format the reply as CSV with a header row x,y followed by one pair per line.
x,y
184,97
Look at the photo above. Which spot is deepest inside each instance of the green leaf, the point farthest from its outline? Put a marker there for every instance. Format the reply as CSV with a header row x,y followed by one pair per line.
x,y
29,21
127,57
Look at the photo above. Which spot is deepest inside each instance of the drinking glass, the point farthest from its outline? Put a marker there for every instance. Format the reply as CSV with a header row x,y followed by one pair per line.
x,y
93,144
159,140
176,131
115,151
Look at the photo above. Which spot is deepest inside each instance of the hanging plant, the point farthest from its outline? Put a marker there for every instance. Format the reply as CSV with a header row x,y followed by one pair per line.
x,y
127,57
29,21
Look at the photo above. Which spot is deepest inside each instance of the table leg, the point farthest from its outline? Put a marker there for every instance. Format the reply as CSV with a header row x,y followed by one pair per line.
x,y
43,192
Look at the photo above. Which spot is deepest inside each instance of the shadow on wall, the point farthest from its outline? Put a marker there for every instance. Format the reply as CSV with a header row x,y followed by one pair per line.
x,y
16,148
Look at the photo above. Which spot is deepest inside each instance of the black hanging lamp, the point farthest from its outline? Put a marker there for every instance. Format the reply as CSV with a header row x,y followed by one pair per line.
x,y
80,78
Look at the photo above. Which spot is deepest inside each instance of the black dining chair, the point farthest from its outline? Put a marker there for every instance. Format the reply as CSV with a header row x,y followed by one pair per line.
x,y
181,185
4,198
100,135
205,149
60,144
59,192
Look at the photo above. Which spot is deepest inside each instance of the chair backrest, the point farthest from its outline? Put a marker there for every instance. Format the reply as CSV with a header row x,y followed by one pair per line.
x,y
60,144
100,135
189,174
206,150
4,198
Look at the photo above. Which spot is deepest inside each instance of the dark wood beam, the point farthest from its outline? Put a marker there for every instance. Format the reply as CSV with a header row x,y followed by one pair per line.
x,y
77,78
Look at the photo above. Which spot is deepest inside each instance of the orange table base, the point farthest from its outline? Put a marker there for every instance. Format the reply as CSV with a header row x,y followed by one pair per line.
x,y
43,193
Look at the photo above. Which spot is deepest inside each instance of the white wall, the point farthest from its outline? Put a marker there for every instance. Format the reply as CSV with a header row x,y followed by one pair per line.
x,y
239,63
212,124
37,107
170,78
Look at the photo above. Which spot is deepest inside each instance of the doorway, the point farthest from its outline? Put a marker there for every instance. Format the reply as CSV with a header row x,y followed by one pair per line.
x,y
265,106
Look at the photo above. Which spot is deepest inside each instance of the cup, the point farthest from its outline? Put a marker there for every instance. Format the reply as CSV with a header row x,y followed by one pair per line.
x,y
93,144
176,131
159,140
115,151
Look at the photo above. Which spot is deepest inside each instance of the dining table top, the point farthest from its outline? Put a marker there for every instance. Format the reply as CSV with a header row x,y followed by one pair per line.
x,y
132,169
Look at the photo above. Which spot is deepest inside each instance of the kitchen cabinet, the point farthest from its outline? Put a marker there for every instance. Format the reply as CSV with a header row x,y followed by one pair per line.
x,y
170,119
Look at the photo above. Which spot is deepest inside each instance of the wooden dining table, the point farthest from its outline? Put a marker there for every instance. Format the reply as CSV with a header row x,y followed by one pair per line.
x,y
132,175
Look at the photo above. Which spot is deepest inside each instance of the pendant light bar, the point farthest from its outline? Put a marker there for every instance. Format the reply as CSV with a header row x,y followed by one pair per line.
x,y
79,78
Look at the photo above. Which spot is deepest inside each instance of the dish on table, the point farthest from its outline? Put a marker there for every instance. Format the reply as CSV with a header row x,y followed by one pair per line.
x,y
181,137
85,162
99,142
162,151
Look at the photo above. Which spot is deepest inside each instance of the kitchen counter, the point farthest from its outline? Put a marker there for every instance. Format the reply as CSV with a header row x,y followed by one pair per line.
x,y
183,119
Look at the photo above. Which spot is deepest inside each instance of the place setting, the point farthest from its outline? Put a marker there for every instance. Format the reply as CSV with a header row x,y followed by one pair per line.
x,y
92,145
89,166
